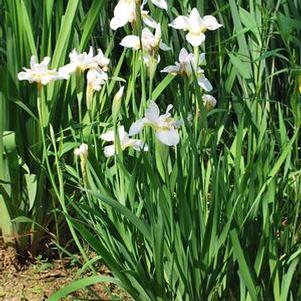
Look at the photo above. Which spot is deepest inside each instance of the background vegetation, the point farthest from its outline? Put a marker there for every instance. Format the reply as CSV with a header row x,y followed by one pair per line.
x,y
217,217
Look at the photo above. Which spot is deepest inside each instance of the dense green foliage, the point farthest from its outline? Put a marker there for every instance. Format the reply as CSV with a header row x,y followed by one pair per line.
x,y
216,217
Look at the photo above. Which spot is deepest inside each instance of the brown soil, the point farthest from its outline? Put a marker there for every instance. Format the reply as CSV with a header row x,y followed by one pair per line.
x,y
36,282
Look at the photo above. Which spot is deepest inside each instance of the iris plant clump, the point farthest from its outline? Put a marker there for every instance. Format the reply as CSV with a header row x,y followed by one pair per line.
x,y
181,201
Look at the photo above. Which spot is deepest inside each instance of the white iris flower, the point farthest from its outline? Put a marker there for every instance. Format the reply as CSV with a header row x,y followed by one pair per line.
x,y
83,61
166,128
95,79
125,142
81,151
159,3
150,42
196,26
125,12
209,101
39,72
186,66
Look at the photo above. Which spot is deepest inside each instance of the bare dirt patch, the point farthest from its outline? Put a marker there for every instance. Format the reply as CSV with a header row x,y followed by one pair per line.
x,y
36,282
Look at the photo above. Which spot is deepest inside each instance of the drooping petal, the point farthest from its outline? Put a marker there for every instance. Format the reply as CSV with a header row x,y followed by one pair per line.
x,y
137,127
195,39
148,39
96,78
202,58
125,8
67,70
178,123
139,145
23,75
101,60
211,23
131,41
109,150
148,20
181,22
171,69
168,137
209,101
152,113
124,12
46,80
158,34
205,83
108,136
160,3
117,22
164,47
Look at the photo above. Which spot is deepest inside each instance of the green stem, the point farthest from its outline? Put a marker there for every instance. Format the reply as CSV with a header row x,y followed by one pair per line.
x,y
79,95
6,225
196,57
57,192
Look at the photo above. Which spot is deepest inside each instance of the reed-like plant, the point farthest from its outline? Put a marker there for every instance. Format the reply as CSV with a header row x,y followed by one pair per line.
x,y
40,29
199,203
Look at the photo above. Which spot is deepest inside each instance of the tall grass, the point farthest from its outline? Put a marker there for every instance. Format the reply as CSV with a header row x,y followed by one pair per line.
x,y
35,28
215,218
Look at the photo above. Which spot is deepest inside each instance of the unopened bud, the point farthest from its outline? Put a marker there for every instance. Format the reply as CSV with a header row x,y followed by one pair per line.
x,y
117,103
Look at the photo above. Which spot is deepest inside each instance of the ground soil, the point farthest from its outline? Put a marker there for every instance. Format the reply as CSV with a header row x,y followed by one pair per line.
x,y
37,281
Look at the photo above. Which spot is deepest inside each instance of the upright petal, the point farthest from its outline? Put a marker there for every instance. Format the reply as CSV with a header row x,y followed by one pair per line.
x,y
169,108
211,23
45,62
195,21
183,56
152,113
168,137
73,55
33,61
